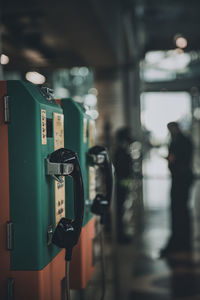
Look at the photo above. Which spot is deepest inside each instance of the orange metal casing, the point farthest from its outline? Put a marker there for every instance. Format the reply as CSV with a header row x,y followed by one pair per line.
x,y
41,285
4,200
81,266
33,285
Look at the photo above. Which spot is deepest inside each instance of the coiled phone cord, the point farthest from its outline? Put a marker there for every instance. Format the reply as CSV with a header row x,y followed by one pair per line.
x,y
103,273
67,281
68,257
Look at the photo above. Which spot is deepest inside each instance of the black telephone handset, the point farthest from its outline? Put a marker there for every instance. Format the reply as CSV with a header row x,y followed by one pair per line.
x,y
67,232
98,155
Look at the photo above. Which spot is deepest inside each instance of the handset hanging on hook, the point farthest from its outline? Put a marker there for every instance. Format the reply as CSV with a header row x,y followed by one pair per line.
x,y
64,162
98,156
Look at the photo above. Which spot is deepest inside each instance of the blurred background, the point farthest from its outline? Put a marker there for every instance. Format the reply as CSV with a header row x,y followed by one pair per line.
x,y
135,65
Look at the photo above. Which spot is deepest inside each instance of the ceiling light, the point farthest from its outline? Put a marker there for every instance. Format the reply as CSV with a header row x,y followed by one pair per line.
x,y
90,100
197,113
35,77
4,59
181,42
34,56
74,71
83,71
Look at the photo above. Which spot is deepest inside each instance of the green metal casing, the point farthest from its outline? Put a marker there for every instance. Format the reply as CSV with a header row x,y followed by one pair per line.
x,y
32,206
76,136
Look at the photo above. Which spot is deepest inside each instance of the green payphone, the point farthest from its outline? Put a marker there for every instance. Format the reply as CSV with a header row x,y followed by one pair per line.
x,y
32,181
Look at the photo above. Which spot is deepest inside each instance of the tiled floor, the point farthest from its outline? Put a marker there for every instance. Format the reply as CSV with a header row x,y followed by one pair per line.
x,y
143,274
163,279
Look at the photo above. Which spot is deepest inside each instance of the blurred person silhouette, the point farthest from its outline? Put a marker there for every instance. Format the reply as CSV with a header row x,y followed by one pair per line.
x,y
123,164
180,165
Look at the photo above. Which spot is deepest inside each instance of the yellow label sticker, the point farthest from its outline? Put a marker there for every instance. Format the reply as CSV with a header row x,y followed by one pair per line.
x,y
92,132
85,130
59,200
43,126
92,183
58,121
